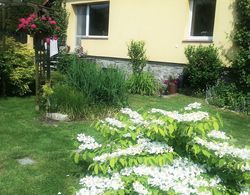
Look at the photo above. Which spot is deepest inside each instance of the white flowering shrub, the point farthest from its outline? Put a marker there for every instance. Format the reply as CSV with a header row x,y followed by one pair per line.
x,y
163,152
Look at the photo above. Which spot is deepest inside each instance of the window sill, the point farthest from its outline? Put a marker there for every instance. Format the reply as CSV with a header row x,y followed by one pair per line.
x,y
198,40
95,37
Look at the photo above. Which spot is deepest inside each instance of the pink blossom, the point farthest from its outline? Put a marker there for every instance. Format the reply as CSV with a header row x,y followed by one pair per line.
x,y
165,82
33,26
43,18
55,37
29,19
33,16
53,22
22,20
49,18
20,26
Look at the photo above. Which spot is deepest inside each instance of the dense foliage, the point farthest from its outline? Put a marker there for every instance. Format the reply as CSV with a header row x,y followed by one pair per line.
x,y
16,68
203,68
140,82
146,154
232,91
83,88
227,95
137,55
241,37
143,84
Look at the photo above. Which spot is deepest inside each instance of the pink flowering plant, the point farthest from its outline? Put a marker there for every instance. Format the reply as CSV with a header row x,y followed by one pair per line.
x,y
170,81
35,24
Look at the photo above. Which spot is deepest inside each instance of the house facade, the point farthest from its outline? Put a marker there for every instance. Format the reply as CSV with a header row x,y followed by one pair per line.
x,y
105,28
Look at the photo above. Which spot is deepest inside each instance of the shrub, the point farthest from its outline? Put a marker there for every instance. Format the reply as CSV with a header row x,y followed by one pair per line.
x,y
64,61
228,96
137,54
143,84
16,67
99,86
203,68
67,99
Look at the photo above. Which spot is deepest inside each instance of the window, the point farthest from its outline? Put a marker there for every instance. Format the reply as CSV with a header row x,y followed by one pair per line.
x,y
202,19
92,20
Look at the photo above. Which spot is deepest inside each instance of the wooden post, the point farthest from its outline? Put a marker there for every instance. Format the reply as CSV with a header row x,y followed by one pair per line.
x,y
37,79
48,64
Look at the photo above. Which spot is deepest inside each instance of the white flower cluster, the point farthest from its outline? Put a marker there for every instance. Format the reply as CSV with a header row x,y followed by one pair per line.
x,y
218,135
88,142
143,145
114,122
222,149
135,117
140,189
93,185
183,176
192,106
244,193
187,117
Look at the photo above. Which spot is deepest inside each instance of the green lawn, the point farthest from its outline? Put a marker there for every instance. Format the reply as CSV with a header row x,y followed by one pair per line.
x,y
23,133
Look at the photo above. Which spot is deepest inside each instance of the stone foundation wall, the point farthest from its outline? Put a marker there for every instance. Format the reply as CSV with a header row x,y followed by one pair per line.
x,y
160,70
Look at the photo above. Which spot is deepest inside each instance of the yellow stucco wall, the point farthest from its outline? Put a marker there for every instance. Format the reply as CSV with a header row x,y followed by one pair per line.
x,y
162,24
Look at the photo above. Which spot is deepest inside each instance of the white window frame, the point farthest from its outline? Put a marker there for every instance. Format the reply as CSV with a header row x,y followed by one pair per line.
x,y
195,38
87,26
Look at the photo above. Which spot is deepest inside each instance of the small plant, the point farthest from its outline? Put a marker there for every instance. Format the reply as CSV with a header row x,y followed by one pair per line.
x,y
137,54
143,84
204,67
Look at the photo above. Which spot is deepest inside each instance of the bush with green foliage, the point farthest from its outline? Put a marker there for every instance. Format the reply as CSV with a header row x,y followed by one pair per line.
x,y
86,89
241,38
137,54
228,96
106,86
204,67
16,68
143,84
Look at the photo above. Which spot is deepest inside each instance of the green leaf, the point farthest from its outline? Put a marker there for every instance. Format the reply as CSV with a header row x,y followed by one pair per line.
x,y
196,149
112,162
121,192
206,153
96,169
162,132
84,156
76,158
221,162
216,125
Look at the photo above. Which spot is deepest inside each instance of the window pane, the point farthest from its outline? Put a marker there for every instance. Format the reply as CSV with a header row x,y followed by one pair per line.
x,y
81,11
99,19
203,17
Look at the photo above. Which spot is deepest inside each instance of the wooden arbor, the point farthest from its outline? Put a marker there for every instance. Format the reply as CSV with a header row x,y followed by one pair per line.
x,y
42,61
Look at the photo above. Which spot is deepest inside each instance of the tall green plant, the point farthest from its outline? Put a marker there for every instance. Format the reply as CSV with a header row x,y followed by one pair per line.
x,y
204,66
137,54
106,86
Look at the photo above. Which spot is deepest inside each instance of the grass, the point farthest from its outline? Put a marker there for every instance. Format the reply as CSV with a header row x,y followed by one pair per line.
x,y
23,133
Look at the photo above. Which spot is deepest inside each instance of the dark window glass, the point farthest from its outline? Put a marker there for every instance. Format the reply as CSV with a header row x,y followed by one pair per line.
x,y
99,19
203,17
